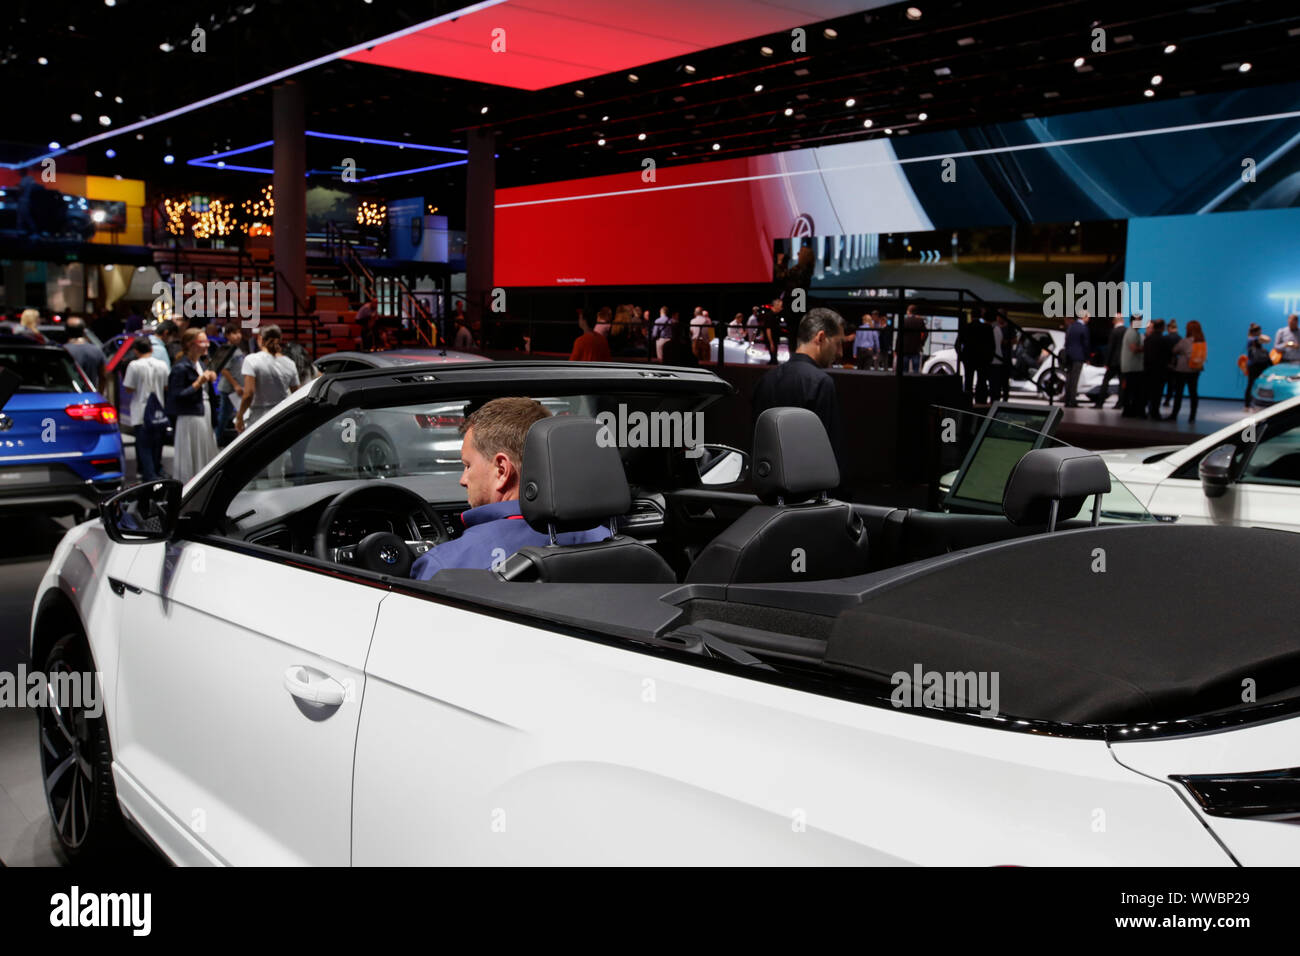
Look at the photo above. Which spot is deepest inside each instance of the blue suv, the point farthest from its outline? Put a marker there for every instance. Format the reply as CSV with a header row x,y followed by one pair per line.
x,y
60,447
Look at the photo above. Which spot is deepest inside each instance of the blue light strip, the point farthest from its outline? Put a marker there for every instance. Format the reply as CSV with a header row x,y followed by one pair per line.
x,y
388,142
409,172
211,161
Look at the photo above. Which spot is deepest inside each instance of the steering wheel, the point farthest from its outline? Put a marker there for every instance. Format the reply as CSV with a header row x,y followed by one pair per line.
x,y
383,551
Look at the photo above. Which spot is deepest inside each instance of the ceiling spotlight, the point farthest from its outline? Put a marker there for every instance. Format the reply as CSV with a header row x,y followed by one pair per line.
x,y
110,153
766,50
1244,68
1171,47
169,159
633,78
867,124
139,135
789,111
483,110
830,33
76,117
688,68
923,116
913,13
1148,93
221,164
717,146
166,47
850,102
110,3
605,118
579,93
889,132
99,95
117,99
105,121
1157,80
42,61
1078,62
601,141
640,136
54,144
758,88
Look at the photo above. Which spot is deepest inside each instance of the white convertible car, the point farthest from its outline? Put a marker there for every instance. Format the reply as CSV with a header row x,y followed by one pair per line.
x,y
749,673
1247,473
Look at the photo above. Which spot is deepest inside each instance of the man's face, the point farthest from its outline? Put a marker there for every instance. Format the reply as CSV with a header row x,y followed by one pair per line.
x,y
485,479
235,336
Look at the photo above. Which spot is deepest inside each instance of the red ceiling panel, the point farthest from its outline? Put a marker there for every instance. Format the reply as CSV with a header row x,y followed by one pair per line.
x,y
549,42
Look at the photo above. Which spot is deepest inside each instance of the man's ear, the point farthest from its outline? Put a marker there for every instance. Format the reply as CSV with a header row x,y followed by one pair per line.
x,y
505,471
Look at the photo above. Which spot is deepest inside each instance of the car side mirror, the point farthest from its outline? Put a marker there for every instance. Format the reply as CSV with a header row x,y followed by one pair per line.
x,y
1215,470
145,512
721,464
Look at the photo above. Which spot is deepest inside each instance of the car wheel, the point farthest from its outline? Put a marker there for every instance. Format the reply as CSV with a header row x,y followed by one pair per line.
x,y
942,368
1052,383
77,761
376,457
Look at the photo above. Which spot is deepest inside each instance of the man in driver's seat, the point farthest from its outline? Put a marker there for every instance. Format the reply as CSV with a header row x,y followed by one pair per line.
x,y
492,455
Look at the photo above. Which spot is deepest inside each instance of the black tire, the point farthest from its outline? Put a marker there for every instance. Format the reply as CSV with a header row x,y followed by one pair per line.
x,y
942,368
76,753
376,456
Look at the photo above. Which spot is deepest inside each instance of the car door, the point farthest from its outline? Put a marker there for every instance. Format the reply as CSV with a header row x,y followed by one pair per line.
x,y
241,675
1265,493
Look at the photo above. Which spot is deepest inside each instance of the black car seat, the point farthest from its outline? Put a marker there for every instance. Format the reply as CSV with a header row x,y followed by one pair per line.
x,y
798,533
1049,485
571,482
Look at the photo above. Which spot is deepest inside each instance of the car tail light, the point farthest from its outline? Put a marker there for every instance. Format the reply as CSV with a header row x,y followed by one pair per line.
x,y
440,421
106,464
1267,795
103,413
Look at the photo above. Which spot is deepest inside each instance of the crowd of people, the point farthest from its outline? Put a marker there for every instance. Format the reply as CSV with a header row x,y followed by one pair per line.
x,y
200,381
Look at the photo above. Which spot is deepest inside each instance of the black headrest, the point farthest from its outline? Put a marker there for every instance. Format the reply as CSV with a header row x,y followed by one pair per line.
x,y
1044,475
792,455
569,478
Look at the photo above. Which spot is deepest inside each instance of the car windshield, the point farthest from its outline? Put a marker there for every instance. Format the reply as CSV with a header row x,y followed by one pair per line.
x,y
975,454
43,370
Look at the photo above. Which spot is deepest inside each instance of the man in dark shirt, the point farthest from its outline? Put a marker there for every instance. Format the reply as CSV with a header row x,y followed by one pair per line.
x,y
1114,352
87,356
1171,333
1156,353
803,381
769,318
912,340
1076,353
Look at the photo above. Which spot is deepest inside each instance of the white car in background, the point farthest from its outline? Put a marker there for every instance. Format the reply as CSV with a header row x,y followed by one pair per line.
x,y
1042,380
1245,474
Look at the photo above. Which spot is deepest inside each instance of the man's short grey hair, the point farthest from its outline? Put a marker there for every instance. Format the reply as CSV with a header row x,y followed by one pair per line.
x,y
820,320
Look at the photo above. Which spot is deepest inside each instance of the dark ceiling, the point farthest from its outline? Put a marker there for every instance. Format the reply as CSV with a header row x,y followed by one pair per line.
x,y
960,63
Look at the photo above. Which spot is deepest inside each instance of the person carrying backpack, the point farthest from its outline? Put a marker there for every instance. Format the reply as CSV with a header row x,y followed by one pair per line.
x,y
1189,361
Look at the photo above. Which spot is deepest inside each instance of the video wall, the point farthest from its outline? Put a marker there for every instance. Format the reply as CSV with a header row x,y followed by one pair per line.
x,y
718,222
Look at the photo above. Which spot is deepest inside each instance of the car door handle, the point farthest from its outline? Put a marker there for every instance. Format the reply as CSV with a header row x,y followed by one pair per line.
x,y
121,587
313,686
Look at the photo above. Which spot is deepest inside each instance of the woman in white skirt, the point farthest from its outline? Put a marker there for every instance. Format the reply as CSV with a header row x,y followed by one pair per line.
x,y
189,398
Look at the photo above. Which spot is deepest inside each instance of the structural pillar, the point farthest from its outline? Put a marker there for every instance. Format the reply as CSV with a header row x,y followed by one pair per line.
x,y
289,229
480,219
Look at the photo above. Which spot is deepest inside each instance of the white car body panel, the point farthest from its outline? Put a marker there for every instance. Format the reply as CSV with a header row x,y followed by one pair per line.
x,y
205,726
535,747
1244,503
1272,746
